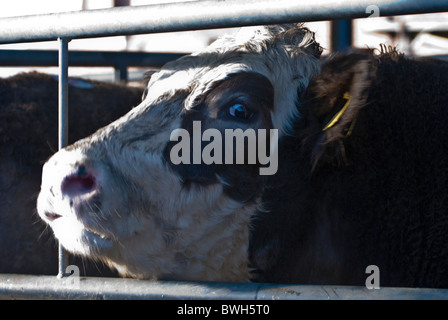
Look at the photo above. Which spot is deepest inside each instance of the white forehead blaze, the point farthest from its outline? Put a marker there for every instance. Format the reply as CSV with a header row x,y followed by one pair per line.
x,y
168,82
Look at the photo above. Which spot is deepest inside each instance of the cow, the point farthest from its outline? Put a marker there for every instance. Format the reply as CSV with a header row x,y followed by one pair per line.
x,y
28,137
359,179
362,184
120,196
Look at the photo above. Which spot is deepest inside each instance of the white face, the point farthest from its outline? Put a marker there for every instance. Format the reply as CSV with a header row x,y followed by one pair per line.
x,y
117,195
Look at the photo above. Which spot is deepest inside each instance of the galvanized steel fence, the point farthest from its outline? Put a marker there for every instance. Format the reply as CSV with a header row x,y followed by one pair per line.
x,y
195,15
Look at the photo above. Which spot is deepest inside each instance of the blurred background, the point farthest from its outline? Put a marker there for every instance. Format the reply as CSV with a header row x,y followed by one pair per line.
x,y
417,35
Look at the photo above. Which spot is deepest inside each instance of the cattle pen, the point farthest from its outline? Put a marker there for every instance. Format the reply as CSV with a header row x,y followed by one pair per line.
x,y
173,17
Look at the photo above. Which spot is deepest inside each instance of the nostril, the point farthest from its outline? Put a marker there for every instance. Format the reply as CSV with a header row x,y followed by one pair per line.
x,y
79,183
52,216
82,171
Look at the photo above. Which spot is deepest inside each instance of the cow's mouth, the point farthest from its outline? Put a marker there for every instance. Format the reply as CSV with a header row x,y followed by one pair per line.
x,y
96,241
79,238
51,216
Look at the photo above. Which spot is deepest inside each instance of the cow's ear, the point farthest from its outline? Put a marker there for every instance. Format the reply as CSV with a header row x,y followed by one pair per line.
x,y
334,100
296,35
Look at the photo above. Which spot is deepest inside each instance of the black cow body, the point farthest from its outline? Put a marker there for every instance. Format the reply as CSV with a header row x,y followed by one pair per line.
x,y
372,189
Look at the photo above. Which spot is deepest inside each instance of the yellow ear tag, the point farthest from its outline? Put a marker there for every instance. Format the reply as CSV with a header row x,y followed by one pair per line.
x,y
338,115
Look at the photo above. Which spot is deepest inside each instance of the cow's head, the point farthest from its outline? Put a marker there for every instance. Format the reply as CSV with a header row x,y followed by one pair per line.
x,y
154,194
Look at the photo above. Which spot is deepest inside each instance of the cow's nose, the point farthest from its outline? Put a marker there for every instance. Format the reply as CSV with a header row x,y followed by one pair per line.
x,y
81,182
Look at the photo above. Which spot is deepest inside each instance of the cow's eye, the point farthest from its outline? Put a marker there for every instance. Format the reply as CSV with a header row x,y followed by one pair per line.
x,y
240,111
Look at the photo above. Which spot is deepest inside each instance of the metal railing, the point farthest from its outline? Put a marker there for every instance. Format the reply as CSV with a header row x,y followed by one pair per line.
x,y
195,15
179,17
48,287
119,60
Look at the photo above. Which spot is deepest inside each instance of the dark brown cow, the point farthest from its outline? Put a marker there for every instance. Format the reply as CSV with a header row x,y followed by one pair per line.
x,y
363,180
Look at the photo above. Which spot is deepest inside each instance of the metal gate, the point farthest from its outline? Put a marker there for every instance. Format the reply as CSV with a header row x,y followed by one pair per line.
x,y
195,15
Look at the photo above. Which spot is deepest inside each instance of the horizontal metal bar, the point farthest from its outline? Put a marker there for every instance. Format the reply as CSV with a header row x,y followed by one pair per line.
x,y
46,58
442,57
49,58
206,14
48,287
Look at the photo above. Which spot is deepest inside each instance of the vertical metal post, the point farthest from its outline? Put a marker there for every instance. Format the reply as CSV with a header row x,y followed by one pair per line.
x,y
341,35
63,125
121,73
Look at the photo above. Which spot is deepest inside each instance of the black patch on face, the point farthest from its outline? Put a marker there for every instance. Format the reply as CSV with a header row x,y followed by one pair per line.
x,y
244,101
